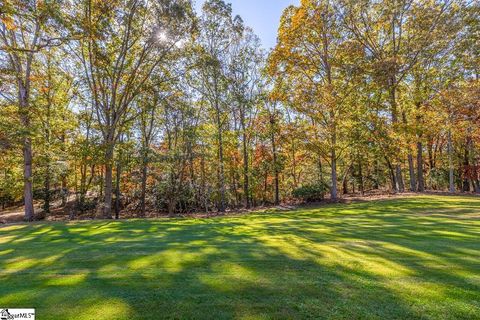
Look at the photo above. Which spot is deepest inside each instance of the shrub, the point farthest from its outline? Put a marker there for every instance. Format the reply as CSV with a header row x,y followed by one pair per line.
x,y
86,204
311,193
438,179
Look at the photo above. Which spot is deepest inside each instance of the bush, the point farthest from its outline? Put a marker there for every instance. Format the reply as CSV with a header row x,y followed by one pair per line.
x,y
55,194
87,204
311,193
438,179
183,198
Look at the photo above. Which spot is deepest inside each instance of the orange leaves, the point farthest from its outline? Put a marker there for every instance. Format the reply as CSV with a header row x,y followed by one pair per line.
x,y
44,89
8,22
262,155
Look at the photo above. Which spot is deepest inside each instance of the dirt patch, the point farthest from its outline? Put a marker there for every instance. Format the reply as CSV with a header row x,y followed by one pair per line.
x,y
14,214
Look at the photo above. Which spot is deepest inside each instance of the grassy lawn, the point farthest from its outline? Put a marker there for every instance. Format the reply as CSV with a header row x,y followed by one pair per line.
x,y
410,258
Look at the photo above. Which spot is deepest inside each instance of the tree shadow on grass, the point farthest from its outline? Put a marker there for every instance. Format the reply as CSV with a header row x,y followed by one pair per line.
x,y
359,261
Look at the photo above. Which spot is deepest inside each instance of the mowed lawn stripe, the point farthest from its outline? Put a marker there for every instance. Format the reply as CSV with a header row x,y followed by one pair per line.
x,y
408,258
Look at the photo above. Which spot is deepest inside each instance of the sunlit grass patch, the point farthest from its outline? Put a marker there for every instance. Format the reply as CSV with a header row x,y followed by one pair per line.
x,y
411,258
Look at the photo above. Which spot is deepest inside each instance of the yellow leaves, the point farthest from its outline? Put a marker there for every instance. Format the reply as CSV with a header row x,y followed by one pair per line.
x,y
298,18
8,22
40,4
276,95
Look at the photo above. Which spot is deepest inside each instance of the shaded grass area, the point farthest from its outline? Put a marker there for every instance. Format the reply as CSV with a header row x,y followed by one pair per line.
x,y
410,258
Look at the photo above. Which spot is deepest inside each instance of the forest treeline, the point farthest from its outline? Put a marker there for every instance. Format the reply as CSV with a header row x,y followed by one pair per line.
x,y
150,106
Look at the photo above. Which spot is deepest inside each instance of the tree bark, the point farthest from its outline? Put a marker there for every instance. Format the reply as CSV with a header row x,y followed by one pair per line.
x,y
393,178
421,181
320,169
275,166
144,189
334,192
344,185
64,175
27,178
46,190
27,152
294,163
246,187
411,169
399,178
117,189
466,163
376,183
420,178
107,208
360,176
64,191
333,153
221,169
399,186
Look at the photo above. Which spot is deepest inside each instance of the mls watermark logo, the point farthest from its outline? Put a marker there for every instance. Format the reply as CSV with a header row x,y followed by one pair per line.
x,y
17,314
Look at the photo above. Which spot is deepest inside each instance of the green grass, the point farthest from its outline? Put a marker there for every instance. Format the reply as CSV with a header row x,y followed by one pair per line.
x,y
411,258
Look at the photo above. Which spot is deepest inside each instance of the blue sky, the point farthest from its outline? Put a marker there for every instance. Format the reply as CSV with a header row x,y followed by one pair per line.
x,y
261,15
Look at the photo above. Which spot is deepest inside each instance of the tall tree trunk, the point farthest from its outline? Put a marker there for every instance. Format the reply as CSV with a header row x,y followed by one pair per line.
x,y
411,166
246,187
172,203
334,192
265,187
46,190
221,171
117,189
376,183
345,180
81,191
466,163
46,182
476,185
399,186
27,178
64,175
393,178
320,169
294,164
221,168
107,207
172,198
144,189
420,178
451,182
399,178
64,191
275,167
203,182
333,155
23,99
431,160
411,169
234,184
474,164
360,176
344,185
421,181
